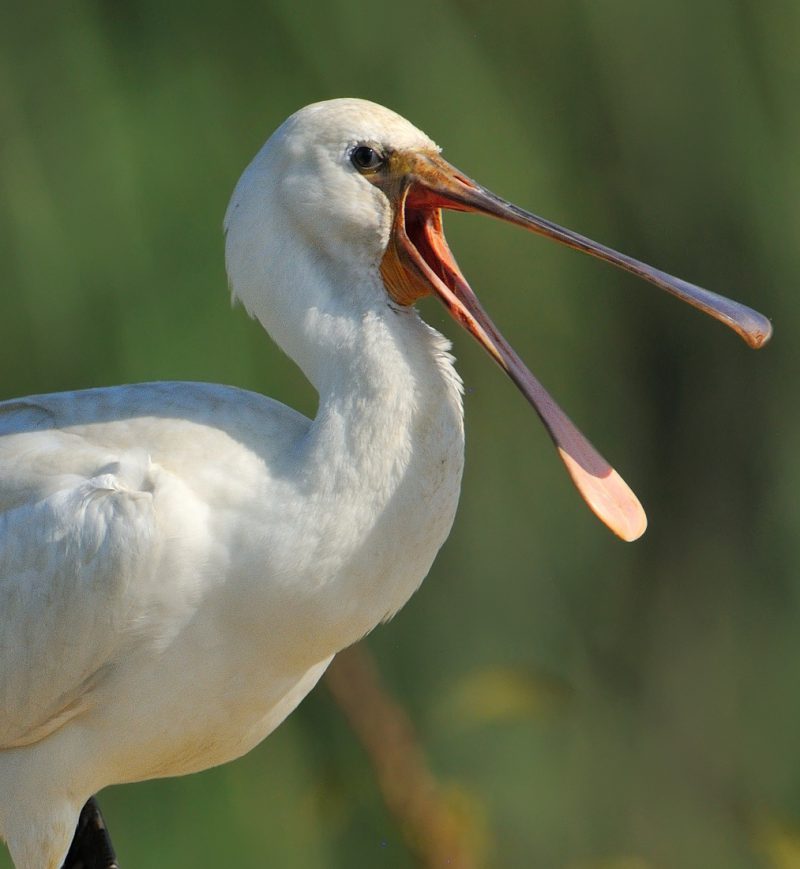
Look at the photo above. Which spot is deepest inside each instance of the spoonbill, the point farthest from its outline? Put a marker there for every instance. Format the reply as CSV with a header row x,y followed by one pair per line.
x,y
179,562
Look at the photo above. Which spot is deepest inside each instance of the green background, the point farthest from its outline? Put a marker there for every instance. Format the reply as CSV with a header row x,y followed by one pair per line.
x,y
586,704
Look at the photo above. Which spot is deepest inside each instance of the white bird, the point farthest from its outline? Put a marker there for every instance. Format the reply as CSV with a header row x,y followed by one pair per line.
x,y
179,562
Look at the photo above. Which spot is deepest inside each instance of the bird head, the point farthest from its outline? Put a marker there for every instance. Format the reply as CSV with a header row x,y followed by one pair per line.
x,y
350,189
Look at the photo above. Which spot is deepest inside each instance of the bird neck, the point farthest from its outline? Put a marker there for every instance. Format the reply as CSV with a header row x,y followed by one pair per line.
x,y
374,481
389,397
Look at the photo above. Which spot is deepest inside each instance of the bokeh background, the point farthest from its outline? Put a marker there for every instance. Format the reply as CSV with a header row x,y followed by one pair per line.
x,y
585,704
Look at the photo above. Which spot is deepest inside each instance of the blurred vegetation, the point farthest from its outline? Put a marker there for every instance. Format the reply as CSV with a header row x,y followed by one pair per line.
x,y
596,705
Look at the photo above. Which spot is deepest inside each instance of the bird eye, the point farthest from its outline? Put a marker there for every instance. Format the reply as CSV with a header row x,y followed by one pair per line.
x,y
366,159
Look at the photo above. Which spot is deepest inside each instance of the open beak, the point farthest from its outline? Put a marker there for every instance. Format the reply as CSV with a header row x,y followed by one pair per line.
x,y
419,263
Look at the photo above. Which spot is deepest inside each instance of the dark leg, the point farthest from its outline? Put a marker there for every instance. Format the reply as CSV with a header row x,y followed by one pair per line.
x,y
91,846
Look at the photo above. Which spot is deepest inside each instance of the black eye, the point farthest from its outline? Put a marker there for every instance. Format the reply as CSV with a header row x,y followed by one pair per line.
x,y
365,158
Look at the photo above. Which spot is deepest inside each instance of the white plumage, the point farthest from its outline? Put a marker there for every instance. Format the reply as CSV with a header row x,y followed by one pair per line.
x,y
179,561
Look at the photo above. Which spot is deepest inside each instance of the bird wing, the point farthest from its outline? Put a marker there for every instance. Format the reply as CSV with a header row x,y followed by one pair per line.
x,y
96,494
